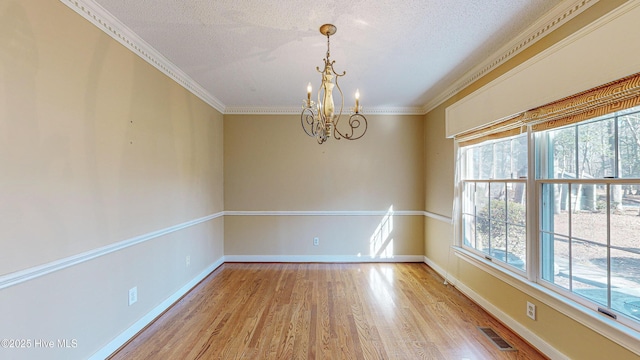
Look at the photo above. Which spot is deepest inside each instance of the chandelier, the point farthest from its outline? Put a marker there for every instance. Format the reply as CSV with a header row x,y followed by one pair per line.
x,y
322,119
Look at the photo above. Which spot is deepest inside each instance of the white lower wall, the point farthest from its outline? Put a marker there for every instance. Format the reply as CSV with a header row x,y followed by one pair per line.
x,y
139,325
344,235
82,310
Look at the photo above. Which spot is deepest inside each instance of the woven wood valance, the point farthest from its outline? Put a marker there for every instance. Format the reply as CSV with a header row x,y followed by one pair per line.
x,y
605,99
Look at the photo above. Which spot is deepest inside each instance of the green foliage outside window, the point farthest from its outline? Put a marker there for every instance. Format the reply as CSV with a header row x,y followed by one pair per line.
x,y
490,227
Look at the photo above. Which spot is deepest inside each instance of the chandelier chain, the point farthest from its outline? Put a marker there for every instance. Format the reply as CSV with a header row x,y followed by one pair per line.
x,y
328,52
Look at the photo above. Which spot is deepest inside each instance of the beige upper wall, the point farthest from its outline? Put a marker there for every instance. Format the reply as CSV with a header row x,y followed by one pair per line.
x,y
272,165
96,145
439,151
582,62
439,165
566,335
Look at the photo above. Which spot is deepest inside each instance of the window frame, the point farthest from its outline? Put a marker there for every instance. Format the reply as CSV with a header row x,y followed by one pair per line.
x,y
626,320
543,160
532,279
489,180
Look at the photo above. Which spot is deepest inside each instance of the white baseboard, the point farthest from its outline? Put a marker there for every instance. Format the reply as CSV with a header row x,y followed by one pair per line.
x,y
121,339
515,326
320,258
520,329
447,279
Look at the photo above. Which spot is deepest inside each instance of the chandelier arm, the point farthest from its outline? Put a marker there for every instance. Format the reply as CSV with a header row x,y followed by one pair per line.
x,y
320,132
335,73
320,104
330,66
321,91
356,122
336,132
307,120
320,128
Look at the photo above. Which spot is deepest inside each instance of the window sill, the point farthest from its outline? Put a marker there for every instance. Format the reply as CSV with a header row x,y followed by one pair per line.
x,y
609,328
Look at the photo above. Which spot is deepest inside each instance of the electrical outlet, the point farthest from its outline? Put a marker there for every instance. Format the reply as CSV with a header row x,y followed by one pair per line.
x,y
188,260
133,295
316,241
531,310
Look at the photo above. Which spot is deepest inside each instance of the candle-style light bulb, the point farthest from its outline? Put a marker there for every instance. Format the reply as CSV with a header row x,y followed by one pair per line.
x,y
309,92
357,109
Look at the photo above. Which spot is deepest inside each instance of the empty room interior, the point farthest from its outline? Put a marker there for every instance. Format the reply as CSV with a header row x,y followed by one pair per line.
x,y
152,151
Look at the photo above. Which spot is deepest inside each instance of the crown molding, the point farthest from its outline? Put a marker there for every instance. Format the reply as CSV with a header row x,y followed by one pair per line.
x,y
108,23
395,111
264,110
253,110
555,18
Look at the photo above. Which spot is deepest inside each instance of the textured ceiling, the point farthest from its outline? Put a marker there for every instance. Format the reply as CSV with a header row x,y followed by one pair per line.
x,y
251,54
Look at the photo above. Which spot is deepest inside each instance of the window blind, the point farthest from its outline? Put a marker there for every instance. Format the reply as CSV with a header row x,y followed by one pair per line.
x,y
608,98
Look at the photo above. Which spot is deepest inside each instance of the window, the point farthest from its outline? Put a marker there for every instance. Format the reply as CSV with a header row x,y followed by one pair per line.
x,y
555,212
588,177
494,200
565,196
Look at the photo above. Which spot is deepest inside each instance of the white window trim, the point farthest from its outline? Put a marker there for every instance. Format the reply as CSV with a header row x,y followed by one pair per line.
x,y
458,213
533,248
529,284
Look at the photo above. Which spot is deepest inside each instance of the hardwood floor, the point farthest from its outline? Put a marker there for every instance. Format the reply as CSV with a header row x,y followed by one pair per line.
x,y
323,311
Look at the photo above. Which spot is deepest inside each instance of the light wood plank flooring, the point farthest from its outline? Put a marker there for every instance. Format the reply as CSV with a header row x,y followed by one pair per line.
x,y
323,311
